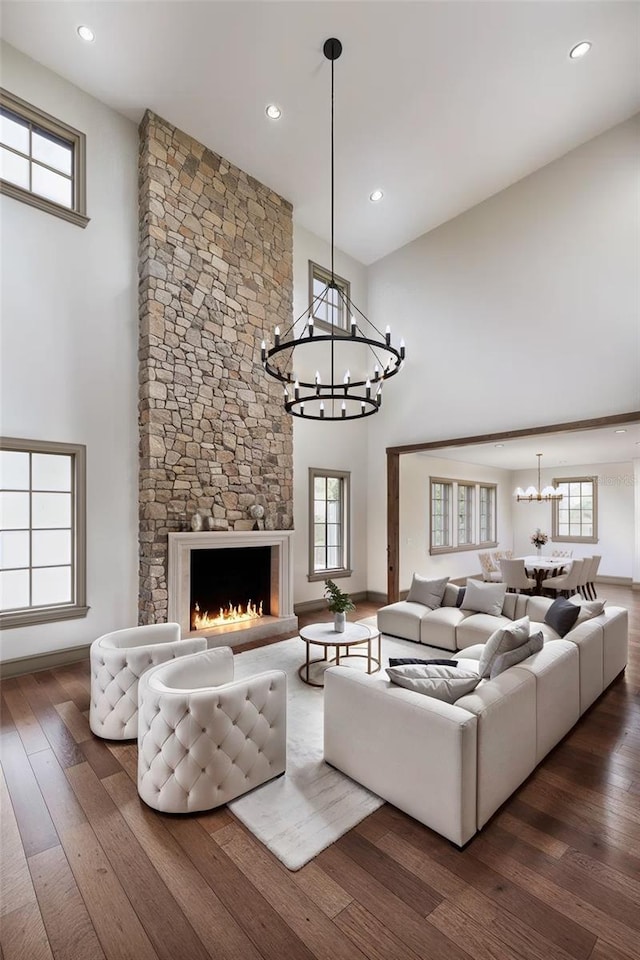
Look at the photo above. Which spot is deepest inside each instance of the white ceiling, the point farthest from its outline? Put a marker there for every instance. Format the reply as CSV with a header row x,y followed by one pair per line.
x,y
441,104
558,449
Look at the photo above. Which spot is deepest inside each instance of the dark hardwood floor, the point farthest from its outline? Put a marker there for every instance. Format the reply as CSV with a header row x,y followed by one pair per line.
x,y
89,872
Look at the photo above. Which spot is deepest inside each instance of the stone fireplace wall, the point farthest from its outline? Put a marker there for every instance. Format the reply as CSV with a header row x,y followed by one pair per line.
x,y
216,275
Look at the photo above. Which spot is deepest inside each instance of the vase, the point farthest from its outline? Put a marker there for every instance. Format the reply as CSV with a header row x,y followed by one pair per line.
x,y
539,551
339,620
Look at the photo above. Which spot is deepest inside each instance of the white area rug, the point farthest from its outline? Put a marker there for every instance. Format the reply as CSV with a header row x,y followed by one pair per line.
x,y
312,805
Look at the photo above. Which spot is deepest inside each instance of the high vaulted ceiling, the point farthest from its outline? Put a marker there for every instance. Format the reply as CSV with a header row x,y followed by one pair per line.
x,y
440,104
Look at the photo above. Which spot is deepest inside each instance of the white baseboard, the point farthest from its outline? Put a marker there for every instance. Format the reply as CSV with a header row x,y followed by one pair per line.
x,y
43,661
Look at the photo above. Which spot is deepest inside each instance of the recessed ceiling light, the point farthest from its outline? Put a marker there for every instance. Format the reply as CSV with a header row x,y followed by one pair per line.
x,y
579,50
86,34
499,444
621,430
376,195
273,111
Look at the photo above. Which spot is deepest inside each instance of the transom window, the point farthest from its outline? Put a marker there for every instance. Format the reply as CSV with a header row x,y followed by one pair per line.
x,y
472,524
41,160
575,517
42,538
328,306
329,533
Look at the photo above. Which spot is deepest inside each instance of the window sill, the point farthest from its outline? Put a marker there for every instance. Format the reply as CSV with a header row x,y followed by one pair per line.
x,y
329,575
434,551
41,203
574,540
28,618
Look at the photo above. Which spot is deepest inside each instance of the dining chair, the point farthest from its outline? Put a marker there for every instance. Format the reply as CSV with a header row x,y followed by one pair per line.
x,y
585,570
567,583
515,576
591,580
489,571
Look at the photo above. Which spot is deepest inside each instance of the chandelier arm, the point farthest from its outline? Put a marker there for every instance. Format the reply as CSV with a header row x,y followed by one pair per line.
x,y
352,307
327,338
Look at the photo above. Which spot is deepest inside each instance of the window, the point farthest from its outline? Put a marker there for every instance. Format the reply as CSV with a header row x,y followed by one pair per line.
x,y
575,517
440,513
42,160
474,523
42,532
466,495
487,534
329,538
329,307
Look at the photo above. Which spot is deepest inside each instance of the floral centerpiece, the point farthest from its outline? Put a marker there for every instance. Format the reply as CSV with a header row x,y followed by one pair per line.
x,y
538,539
339,603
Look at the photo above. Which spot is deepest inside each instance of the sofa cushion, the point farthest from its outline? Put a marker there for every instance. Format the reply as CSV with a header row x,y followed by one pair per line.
x,y
562,615
443,683
477,628
484,597
515,606
548,633
587,608
556,669
427,592
503,640
402,619
438,628
510,658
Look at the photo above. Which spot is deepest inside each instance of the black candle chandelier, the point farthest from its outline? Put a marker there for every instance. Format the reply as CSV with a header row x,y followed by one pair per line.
x,y
336,393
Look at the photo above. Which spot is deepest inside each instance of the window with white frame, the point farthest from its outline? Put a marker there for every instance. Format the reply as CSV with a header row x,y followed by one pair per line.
x,y
471,525
42,532
329,309
574,518
42,160
329,525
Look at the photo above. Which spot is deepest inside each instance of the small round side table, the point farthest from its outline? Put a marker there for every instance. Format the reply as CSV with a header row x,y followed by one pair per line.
x,y
324,635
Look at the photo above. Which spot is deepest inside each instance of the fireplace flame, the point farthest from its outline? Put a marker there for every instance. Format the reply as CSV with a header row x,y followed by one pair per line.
x,y
230,614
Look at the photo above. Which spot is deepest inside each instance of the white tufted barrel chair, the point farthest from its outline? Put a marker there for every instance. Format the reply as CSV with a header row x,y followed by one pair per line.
x,y
205,738
118,660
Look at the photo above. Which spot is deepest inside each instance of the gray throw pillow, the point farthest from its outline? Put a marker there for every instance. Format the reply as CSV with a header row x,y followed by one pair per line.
x,y
502,641
482,597
442,683
427,592
534,644
587,608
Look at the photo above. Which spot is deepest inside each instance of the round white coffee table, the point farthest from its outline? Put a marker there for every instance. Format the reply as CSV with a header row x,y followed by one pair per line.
x,y
324,635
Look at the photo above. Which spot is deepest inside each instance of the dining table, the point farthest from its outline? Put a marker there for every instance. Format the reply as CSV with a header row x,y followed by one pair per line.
x,y
542,567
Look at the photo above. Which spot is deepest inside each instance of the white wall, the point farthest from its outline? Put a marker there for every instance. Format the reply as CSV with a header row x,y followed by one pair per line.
x,y
69,345
415,471
616,512
330,445
520,312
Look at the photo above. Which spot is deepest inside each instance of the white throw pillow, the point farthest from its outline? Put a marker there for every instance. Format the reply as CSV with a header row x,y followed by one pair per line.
x,y
503,641
482,597
442,683
588,608
427,592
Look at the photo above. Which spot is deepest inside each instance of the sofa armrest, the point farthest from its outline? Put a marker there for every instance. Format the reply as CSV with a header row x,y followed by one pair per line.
x,y
414,751
615,642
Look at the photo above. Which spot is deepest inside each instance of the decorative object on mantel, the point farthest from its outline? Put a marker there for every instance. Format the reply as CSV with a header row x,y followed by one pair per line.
x,y
538,539
256,512
197,522
537,493
335,393
339,604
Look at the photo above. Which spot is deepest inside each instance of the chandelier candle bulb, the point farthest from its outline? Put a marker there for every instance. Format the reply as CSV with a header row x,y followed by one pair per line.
x,y
376,372
353,326
402,350
264,351
277,336
310,326
322,410
368,389
387,335
296,390
347,377
343,409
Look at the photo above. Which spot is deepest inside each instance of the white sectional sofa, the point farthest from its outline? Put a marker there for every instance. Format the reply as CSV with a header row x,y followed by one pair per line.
x,y
451,766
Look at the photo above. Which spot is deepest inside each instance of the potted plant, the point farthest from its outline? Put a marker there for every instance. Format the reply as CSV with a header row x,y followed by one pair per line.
x,y
339,604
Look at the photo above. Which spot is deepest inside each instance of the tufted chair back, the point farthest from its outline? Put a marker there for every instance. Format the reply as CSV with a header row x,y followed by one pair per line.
x,y
118,660
203,737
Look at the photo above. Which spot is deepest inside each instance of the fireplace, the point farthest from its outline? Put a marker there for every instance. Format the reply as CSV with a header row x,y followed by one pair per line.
x,y
231,586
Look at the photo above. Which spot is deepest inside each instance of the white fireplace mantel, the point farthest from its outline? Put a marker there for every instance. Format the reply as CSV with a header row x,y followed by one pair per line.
x,y
179,573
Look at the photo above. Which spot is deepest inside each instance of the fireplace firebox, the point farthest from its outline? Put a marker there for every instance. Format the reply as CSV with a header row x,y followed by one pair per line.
x,y
230,585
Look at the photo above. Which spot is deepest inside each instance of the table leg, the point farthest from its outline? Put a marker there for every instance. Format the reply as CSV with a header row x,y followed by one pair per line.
x,y
307,672
379,651
369,655
337,655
